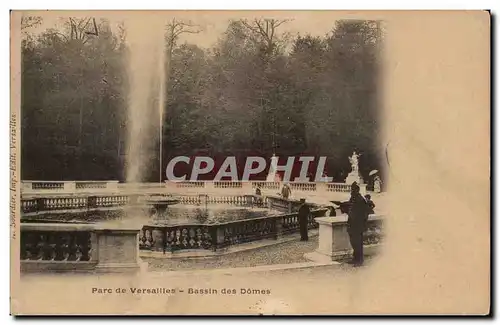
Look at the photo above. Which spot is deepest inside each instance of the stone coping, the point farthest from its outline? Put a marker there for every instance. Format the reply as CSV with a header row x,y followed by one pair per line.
x,y
278,215
56,194
342,219
57,266
117,230
57,227
124,227
76,210
117,226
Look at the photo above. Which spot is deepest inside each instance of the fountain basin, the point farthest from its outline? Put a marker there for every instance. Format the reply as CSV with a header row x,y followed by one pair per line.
x,y
161,200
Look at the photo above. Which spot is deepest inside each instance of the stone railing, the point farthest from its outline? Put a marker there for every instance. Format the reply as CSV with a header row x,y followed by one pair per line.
x,y
266,185
35,206
47,186
44,187
57,243
339,187
303,187
94,247
221,235
189,184
67,186
78,247
238,200
227,184
82,203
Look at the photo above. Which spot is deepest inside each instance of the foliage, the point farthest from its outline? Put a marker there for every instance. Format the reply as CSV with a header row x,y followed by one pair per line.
x,y
257,91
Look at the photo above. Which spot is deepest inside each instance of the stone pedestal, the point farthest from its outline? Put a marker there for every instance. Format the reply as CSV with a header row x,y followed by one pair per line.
x,y
112,185
354,177
117,248
70,186
333,239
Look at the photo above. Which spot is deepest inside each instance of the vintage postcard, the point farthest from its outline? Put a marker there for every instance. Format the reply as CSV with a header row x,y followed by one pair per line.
x,y
250,163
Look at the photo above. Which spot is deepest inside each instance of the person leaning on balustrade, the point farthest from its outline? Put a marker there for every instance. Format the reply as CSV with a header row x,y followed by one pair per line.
x,y
258,195
303,216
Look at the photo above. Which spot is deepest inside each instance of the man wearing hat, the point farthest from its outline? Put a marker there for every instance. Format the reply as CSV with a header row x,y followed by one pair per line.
x,y
356,223
304,212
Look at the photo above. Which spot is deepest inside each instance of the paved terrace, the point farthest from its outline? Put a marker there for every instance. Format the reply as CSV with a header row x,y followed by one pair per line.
x,y
281,287
290,250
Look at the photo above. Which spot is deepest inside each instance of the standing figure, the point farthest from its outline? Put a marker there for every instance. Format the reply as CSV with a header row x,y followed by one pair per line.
x,y
356,223
377,184
272,175
258,195
286,192
371,205
304,212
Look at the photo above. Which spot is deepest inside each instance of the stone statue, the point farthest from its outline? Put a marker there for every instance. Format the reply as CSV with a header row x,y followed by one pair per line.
x,y
354,175
354,160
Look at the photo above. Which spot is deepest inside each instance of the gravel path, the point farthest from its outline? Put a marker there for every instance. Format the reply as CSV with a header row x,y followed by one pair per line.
x,y
285,253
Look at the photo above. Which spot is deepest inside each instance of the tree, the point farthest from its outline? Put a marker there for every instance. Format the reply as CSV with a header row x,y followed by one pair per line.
x,y
250,94
265,32
30,22
71,92
82,29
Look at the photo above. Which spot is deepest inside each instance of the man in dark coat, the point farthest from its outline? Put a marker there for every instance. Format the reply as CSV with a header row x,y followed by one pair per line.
x,y
304,212
258,195
286,191
356,223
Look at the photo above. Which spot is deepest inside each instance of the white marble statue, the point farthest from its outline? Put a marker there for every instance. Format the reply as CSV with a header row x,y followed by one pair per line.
x,y
354,160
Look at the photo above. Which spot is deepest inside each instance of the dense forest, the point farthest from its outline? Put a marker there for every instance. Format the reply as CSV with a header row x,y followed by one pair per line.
x,y
257,91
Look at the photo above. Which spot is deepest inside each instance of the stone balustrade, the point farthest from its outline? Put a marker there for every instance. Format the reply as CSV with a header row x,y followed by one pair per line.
x,y
44,187
227,184
238,200
190,184
67,186
221,235
70,203
96,247
266,185
338,187
303,187
78,247
81,203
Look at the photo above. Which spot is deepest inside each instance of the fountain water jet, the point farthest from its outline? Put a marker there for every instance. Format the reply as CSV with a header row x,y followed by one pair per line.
x,y
147,80
146,71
